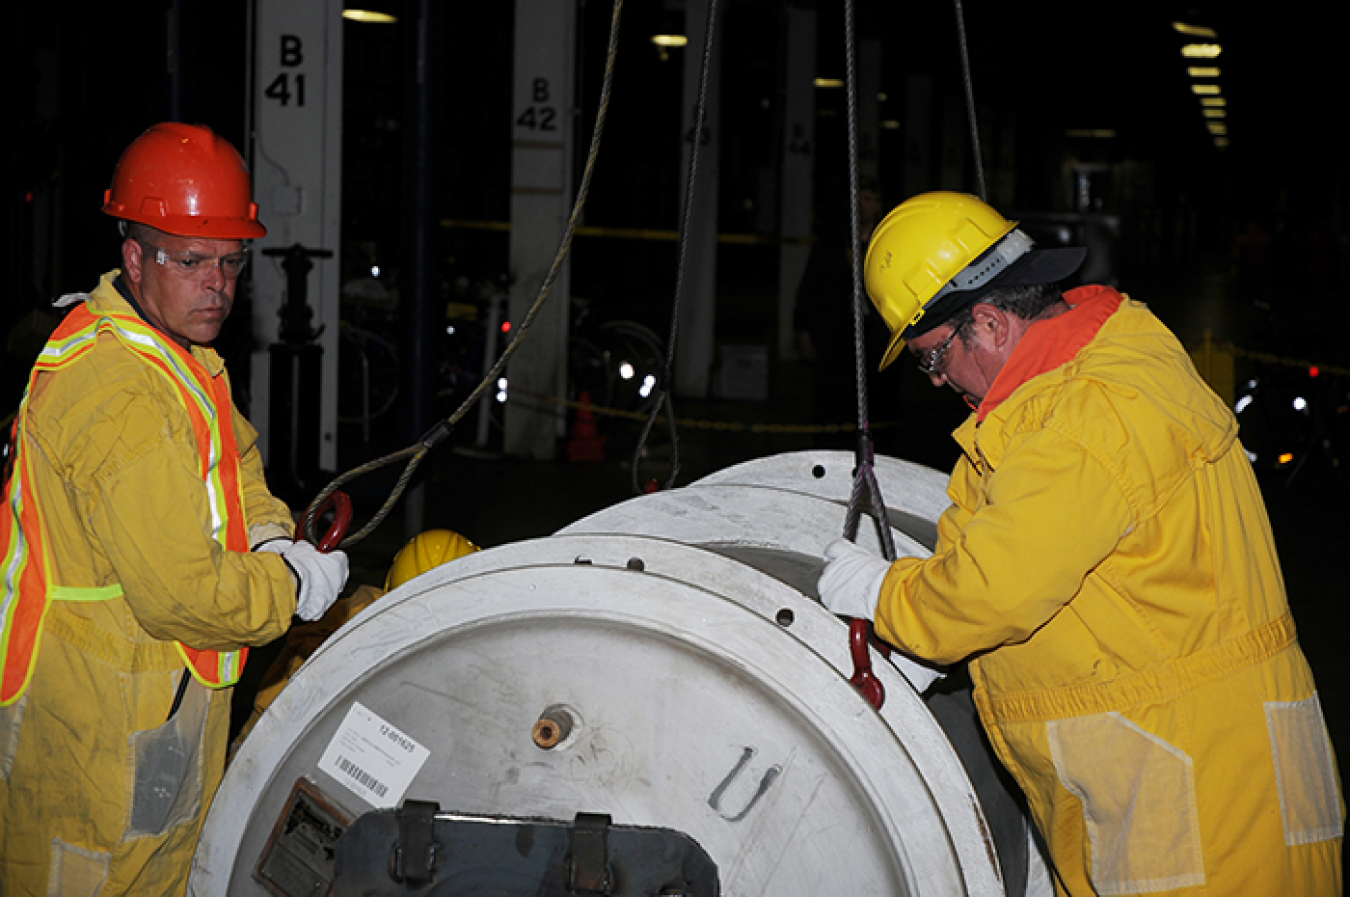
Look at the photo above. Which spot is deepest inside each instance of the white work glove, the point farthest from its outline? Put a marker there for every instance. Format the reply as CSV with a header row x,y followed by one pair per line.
x,y
851,583
319,577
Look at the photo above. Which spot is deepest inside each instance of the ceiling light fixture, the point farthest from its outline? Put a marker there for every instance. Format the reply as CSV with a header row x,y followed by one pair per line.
x,y
1203,71
829,82
1201,51
1205,89
1193,30
369,16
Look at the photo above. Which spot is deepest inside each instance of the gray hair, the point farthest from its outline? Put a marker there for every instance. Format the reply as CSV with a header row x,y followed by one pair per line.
x,y
1026,302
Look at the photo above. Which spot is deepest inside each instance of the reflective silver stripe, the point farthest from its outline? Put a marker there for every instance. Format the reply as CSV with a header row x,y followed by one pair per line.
x,y
16,562
18,539
151,342
185,378
55,352
975,275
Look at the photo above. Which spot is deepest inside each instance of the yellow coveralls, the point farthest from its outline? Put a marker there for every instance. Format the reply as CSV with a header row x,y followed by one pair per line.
x,y
98,793
1108,566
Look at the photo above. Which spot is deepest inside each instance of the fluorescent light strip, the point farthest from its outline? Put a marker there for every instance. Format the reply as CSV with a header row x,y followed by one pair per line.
x,y
369,16
1201,51
1193,30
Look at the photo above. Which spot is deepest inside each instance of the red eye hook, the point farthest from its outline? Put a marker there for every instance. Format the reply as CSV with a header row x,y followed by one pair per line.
x,y
341,506
863,679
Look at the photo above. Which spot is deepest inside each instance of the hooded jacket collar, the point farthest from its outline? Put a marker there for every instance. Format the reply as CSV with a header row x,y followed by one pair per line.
x,y
1053,342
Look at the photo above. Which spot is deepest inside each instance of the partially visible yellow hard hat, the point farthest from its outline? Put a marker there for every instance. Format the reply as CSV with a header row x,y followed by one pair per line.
x,y
424,552
917,249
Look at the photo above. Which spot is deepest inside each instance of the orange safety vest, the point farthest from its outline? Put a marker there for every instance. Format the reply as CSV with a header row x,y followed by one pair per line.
x,y
26,586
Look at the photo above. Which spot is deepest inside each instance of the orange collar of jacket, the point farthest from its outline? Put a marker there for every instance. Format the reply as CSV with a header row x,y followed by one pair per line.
x,y
1050,343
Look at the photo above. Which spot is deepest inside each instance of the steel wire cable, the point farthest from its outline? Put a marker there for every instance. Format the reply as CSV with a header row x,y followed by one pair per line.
x,y
970,101
414,454
667,373
864,483
865,486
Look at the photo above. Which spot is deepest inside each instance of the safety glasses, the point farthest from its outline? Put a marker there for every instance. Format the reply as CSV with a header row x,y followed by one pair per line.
x,y
195,266
933,363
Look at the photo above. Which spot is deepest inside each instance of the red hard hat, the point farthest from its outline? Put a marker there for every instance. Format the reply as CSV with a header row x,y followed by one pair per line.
x,y
185,180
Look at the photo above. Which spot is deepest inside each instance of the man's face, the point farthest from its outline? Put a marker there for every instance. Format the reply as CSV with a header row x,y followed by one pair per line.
x,y
957,360
185,285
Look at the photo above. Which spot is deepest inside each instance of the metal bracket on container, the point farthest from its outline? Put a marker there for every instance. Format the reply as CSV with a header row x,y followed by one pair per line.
x,y
588,862
413,860
417,852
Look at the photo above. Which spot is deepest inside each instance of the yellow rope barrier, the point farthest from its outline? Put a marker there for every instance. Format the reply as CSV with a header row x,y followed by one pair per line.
x,y
1208,347
693,423
739,427
1267,358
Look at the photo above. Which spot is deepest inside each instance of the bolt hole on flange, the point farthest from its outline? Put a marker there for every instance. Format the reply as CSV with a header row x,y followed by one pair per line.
x,y
554,727
818,471
785,617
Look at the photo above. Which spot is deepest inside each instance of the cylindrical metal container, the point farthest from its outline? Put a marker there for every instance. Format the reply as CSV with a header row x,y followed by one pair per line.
x,y
662,663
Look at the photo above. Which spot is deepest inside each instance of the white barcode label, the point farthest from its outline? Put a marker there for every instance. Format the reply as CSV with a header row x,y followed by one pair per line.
x,y
372,759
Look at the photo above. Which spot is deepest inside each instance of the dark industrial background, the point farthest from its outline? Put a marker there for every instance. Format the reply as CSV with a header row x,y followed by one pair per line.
x,y
1246,243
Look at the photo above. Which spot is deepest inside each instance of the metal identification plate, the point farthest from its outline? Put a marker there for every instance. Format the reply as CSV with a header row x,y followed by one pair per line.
x,y
298,859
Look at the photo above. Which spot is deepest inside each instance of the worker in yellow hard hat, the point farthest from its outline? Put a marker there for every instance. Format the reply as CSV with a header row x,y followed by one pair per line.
x,y
143,551
1107,570
425,551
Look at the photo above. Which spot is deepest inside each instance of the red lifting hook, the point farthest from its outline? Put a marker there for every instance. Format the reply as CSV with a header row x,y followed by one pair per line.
x,y
341,507
863,679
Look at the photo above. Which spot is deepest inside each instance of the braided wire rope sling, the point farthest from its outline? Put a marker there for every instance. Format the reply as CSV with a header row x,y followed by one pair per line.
x,y
866,492
412,456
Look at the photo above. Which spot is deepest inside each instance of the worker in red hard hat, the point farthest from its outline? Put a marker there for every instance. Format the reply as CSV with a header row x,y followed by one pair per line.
x,y
143,552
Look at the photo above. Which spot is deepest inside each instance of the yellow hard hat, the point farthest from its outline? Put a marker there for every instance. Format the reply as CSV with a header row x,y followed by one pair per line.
x,y
917,249
938,253
424,552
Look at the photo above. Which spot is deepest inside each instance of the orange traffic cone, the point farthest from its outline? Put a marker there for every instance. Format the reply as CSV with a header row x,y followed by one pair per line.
x,y
587,443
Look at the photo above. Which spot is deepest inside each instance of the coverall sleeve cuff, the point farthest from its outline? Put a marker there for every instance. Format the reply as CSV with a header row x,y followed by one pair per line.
x,y
259,533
